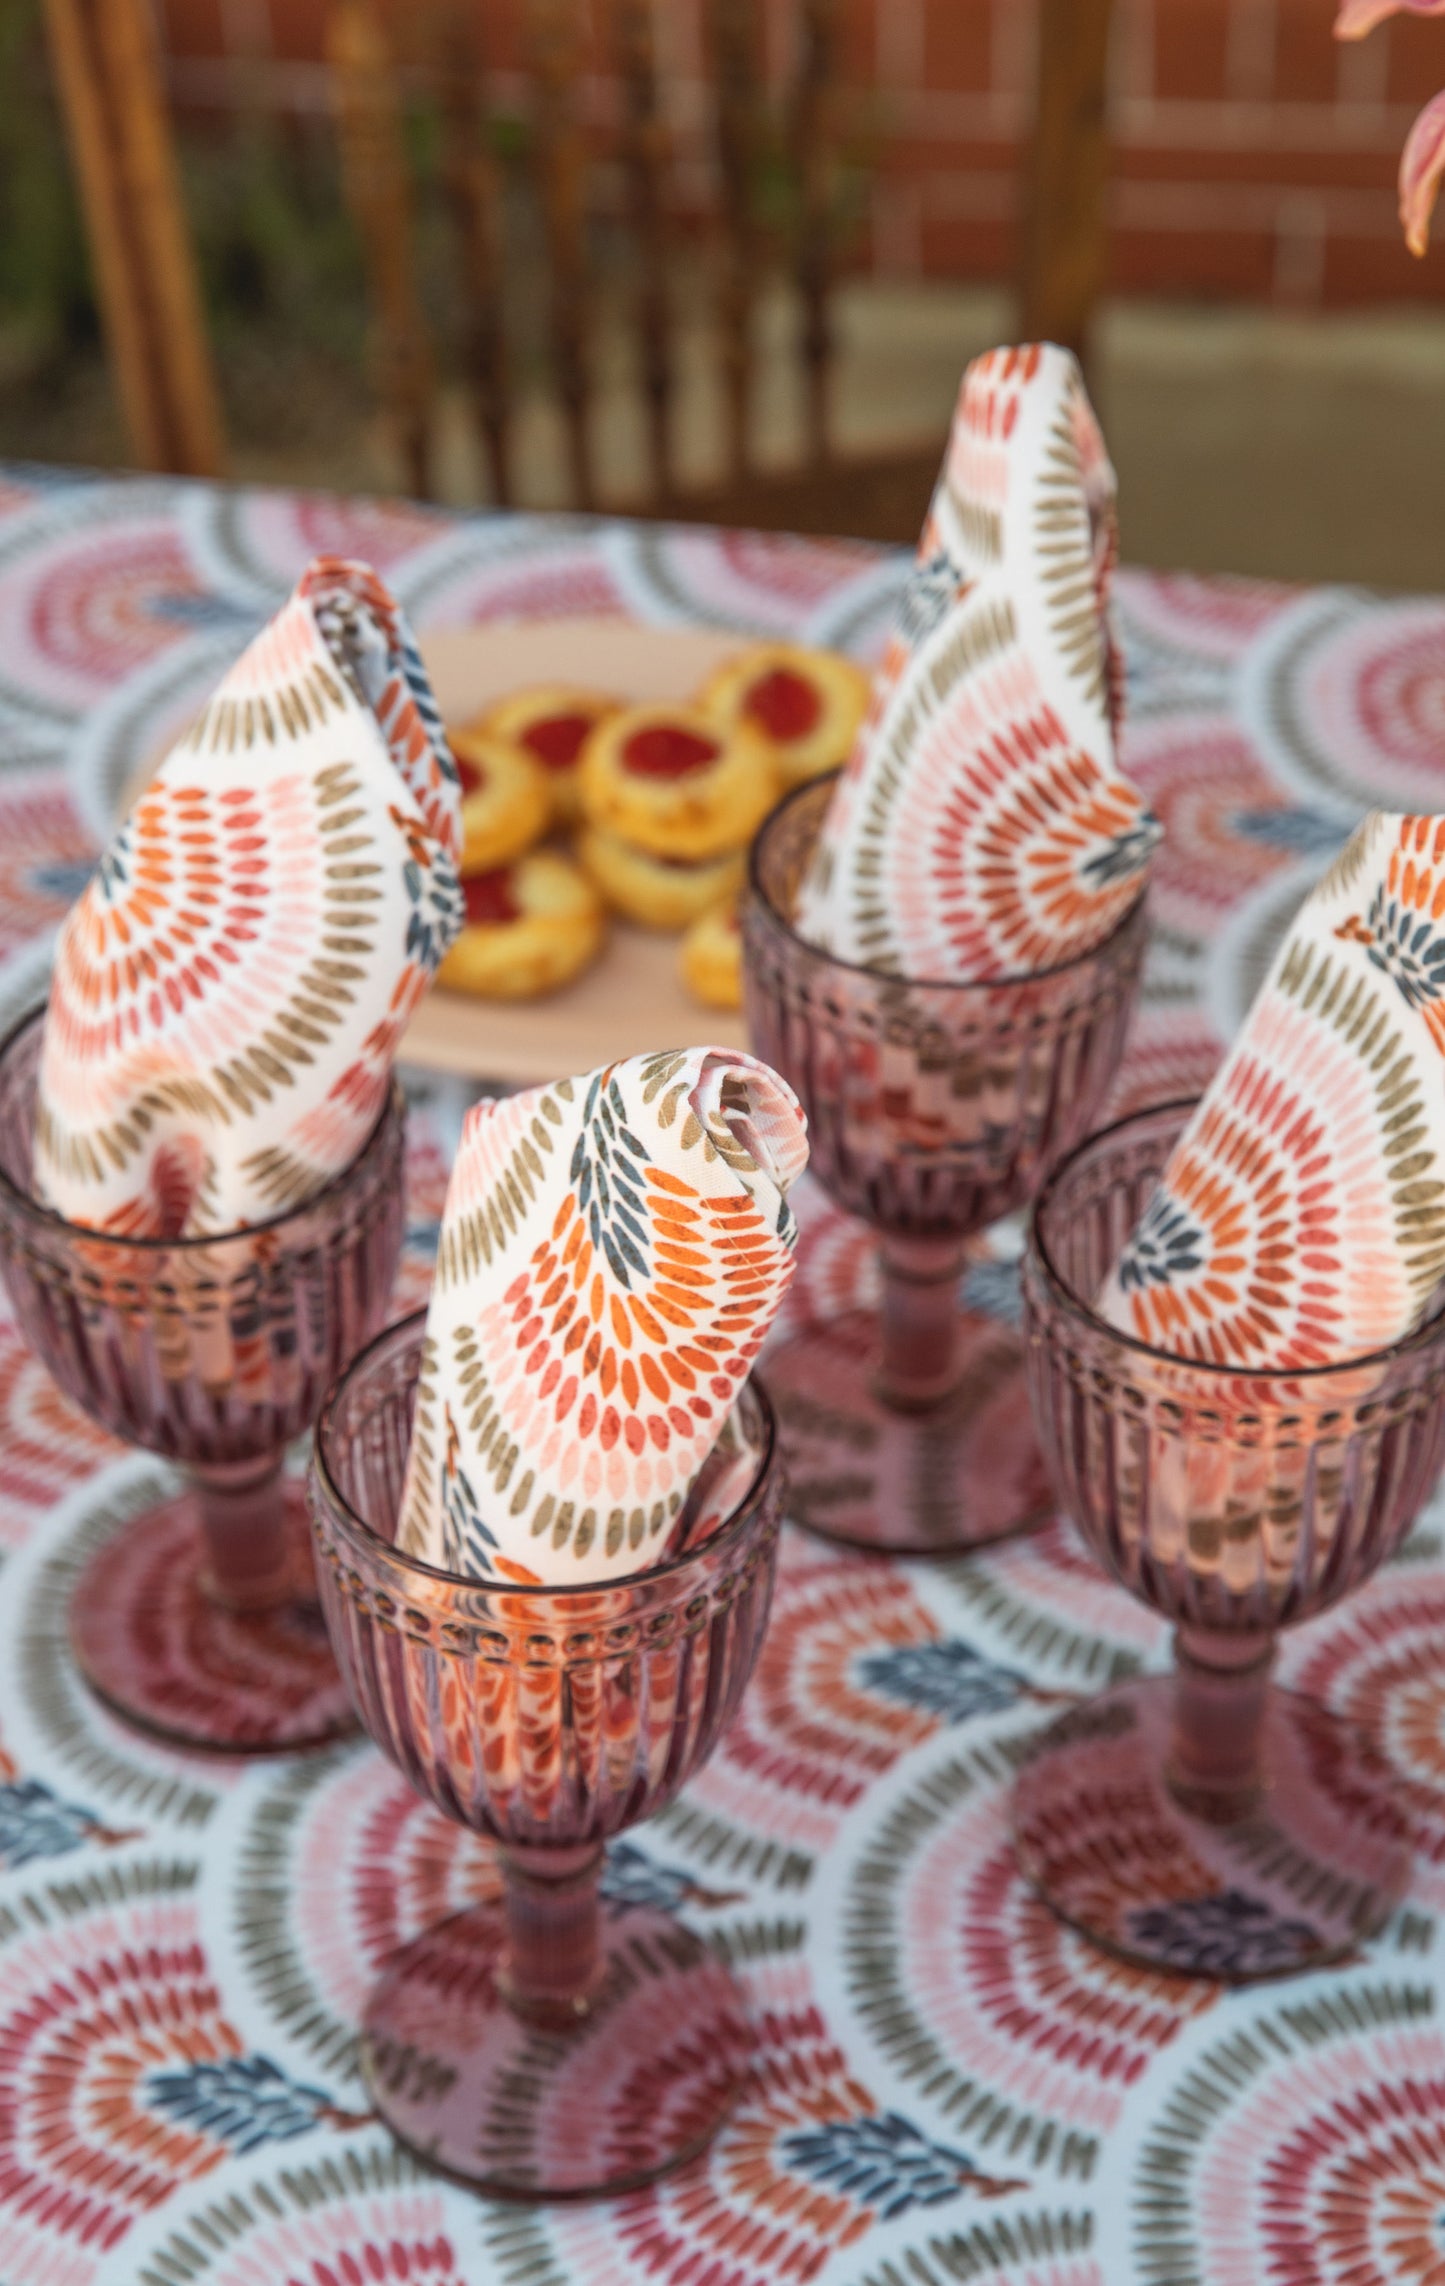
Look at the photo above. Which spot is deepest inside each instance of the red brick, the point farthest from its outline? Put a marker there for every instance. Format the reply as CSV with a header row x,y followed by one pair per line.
x,y
1190,42
1417,58
957,44
1306,56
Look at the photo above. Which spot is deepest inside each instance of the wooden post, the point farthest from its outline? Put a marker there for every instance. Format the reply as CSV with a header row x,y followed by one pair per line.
x,y
109,76
644,159
812,140
374,167
733,28
470,173
562,173
1064,239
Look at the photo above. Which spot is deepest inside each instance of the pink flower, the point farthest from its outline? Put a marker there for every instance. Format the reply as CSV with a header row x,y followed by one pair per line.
x,y
1356,17
1423,164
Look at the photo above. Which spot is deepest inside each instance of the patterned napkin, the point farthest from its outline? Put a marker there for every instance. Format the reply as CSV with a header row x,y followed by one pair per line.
x,y
1301,1218
230,989
981,828
613,1251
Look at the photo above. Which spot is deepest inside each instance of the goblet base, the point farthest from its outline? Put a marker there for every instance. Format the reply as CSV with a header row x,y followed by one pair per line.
x,y
936,1482
153,1645
1310,1872
637,2085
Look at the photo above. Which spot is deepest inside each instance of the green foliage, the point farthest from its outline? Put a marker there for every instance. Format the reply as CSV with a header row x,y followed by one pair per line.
x,y
45,294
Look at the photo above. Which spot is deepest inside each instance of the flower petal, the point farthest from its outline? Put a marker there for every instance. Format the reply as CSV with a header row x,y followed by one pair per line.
x,y
1420,171
1356,17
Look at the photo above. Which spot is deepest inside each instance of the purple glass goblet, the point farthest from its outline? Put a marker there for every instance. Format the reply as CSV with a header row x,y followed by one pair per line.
x,y
1206,1820
933,1110
199,1620
570,2039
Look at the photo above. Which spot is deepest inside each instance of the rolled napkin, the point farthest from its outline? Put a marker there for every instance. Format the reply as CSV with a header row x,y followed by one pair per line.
x,y
613,1251
982,827
1301,1218
230,989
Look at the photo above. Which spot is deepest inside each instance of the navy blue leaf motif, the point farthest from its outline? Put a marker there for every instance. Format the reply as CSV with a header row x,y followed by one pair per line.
x,y
61,880
1304,832
35,1823
1405,945
946,1677
434,889
1125,852
1167,1244
1229,1934
607,1171
243,2102
883,2162
467,1538
929,594
991,1287
113,871
203,611
631,1878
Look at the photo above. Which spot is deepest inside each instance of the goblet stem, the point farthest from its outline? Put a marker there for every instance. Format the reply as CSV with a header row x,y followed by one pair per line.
x,y
250,1548
1221,1685
552,1964
919,1321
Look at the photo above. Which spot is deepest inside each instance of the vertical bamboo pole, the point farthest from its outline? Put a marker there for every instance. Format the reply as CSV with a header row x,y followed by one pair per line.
x,y
1064,240
474,194
812,140
108,72
733,29
644,158
561,162
368,116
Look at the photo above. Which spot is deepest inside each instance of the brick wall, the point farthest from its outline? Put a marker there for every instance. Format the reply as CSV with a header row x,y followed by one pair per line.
x,y
1255,157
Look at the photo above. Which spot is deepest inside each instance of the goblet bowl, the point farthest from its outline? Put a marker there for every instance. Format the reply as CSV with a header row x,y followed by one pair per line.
x,y
198,1620
560,2042
1206,1820
933,1110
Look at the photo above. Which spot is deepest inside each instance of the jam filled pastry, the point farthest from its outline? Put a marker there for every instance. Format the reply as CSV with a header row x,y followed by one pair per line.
x,y
552,722
807,704
506,800
656,892
710,957
677,782
529,928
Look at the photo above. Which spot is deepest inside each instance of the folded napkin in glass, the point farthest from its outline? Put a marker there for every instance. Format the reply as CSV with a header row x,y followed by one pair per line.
x,y
613,1250
230,989
1301,1218
981,827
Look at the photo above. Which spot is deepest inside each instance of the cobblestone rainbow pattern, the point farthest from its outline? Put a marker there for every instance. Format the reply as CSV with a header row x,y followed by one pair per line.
x,y
1301,1218
613,1253
982,827
231,985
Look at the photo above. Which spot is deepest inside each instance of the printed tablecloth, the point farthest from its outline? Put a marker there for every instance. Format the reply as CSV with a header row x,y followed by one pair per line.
x,y
949,2086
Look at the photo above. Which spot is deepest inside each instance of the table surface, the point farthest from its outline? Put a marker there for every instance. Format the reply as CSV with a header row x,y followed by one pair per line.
x,y
949,2087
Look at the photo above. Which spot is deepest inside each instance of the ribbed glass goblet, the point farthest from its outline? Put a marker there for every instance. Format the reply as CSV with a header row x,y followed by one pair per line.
x,y
556,2043
933,1110
1206,1820
198,1620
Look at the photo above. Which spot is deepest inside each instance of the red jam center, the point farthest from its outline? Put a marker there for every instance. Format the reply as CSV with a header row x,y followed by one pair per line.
x,y
557,739
472,776
668,750
785,703
489,898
